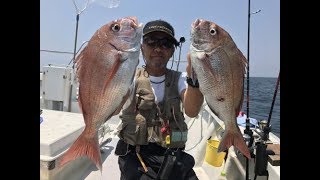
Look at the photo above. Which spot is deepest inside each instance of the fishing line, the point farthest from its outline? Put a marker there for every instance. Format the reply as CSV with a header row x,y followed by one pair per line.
x,y
172,61
53,51
201,130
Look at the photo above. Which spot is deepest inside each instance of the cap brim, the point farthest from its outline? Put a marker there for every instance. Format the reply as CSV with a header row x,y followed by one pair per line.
x,y
173,38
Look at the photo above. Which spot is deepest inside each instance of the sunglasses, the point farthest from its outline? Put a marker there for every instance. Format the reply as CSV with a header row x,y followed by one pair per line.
x,y
163,43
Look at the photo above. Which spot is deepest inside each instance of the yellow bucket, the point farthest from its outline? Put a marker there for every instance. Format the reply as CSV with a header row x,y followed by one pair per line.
x,y
212,156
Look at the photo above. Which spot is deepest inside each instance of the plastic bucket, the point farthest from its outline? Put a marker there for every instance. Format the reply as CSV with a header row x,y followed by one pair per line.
x,y
212,156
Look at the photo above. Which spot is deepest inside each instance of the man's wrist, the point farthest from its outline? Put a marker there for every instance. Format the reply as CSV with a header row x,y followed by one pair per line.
x,y
192,83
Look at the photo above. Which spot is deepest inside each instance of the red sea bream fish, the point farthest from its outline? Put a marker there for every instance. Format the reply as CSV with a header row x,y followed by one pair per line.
x,y
220,68
105,71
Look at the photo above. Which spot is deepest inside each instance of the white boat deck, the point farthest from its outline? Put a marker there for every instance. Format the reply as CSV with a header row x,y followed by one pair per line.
x,y
54,141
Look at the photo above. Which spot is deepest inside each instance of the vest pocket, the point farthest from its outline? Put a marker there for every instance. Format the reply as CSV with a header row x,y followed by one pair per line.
x,y
145,99
178,127
135,133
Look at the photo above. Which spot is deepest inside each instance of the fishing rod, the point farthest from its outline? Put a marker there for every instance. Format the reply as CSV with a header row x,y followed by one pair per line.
x,y
273,100
248,134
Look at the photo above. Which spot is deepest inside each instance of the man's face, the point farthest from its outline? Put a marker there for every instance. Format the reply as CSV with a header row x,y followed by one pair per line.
x,y
157,48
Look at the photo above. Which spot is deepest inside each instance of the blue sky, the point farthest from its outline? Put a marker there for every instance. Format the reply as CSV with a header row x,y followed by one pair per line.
x,y
58,24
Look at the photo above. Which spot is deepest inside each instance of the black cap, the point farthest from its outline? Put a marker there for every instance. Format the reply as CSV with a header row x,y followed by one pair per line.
x,y
160,25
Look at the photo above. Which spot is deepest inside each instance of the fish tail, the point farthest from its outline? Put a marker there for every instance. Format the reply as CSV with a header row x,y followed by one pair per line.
x,y
235,139
83,146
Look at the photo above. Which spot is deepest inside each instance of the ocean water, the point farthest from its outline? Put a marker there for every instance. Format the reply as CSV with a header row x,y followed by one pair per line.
x,y
261,93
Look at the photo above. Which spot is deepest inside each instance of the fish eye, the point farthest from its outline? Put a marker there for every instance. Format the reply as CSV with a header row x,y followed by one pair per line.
x,y
213,31
115,27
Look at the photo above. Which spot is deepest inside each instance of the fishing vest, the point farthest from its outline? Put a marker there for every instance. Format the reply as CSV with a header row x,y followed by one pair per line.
x,y
144,121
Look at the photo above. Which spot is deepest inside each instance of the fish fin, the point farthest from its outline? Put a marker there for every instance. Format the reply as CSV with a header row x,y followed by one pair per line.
x,y
235,139
239,106
79,64
243,61
119,57
83,146
80,102
124,100
83,110
114,70
214,112
79,61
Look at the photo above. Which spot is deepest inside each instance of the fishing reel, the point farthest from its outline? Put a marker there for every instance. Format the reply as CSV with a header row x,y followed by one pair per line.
x,y
181,40
248,137
264,129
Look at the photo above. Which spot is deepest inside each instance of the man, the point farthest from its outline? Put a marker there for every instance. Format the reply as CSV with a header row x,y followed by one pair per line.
x,y
153,132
